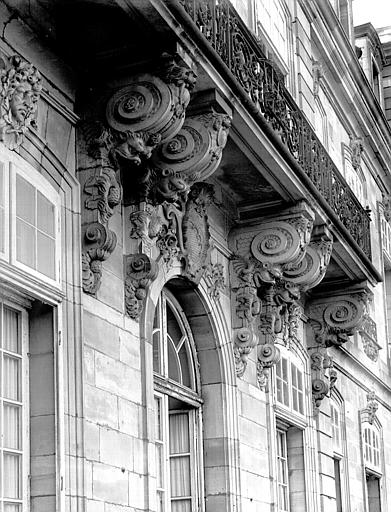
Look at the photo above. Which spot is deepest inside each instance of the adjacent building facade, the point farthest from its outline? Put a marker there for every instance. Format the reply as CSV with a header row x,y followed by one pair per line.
x,y
195,257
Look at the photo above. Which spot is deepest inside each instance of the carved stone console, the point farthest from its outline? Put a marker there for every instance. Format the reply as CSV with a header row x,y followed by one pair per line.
x,y
20,88
119,138
273,264
333,319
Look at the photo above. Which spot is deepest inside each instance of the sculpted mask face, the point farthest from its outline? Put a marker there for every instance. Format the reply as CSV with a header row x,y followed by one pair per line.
x,y
21,102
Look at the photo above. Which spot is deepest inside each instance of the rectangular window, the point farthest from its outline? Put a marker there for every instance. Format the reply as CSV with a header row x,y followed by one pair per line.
x,y
337,480
176,463
272,20
282,472
12,405
336,426
35,229
373,493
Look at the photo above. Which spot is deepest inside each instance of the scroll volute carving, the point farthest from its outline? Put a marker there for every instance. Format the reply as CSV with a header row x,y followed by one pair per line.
x,y
333,320
261,256
148,110
20,89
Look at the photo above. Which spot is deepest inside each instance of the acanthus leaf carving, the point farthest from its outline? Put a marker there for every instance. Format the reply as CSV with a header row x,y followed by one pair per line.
x,y
20,89
216,277
368,333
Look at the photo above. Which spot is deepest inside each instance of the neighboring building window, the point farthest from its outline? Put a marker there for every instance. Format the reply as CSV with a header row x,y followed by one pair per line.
x,y
13,397
177,409
29,218
353,176
272,21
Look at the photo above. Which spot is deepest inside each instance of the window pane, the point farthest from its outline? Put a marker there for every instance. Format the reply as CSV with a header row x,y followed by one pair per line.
x,y
156,352
25,243
45,214
12,468
11,338
181,506
12,507
173,327
179,433
11,378
2,206
12,426
173,362
160,501
180,476
183,357
46,255
25,200
159,463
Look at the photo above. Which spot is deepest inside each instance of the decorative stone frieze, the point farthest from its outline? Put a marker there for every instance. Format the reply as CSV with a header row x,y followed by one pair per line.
x,y
276,261
368,333
333,320
20,88
369,413
150,109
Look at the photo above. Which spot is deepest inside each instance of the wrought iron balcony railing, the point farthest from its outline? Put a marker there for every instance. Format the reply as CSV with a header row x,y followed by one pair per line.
x,y
221,25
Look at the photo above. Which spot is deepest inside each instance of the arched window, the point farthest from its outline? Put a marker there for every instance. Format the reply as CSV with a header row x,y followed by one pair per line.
x,y
177,409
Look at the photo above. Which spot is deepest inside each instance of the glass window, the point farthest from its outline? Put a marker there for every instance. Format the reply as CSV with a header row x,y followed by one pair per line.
x,y
282,472
336,426
371,444
289,385
28,218
177,409
12,403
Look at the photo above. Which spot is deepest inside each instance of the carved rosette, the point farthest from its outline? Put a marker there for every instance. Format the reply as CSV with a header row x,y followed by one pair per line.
x,y
138,116
140,271
20,89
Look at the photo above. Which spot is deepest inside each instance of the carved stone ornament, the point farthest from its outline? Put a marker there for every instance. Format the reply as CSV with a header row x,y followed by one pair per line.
x,y
356,148
140,271
333,320
368,333
317,75
138,116
20,88
336,318
277,262
369,413
387,207
215,274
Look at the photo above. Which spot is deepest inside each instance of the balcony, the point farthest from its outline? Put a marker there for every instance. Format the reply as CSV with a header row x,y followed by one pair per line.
x,y
263,85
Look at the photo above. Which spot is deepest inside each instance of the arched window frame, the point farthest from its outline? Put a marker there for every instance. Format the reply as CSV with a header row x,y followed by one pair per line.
x,y
189,402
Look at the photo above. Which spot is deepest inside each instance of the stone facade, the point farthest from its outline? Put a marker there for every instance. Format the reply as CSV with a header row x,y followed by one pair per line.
x,y
203,237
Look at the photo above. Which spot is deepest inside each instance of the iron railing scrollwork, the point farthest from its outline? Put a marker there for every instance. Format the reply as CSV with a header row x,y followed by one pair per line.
x,y
264,84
